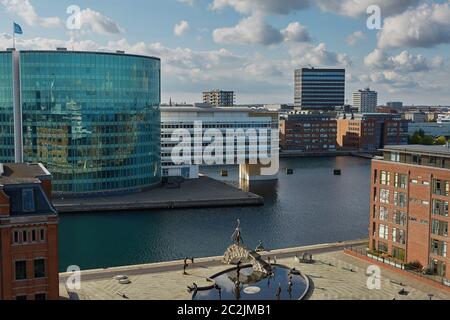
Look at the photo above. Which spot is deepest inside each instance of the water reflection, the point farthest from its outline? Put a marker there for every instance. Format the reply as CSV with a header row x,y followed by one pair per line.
x,y
311,206
250,285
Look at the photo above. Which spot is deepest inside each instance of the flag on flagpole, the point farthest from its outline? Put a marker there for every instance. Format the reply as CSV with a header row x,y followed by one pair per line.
x,y
17,29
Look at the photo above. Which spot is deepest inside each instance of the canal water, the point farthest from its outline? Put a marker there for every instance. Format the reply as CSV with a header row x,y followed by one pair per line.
x,y
312,206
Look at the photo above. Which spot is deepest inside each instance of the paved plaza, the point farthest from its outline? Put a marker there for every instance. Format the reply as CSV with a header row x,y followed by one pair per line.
x,y
195,193
333,276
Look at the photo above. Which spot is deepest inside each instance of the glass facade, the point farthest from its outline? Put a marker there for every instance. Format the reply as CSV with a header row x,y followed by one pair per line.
x,y
319,88
92,119
6,108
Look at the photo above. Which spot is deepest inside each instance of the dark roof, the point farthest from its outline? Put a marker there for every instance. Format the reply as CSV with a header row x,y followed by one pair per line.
x,y
432,150
20,173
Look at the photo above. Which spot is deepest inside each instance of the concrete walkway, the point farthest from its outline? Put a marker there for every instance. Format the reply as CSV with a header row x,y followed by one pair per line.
x,y
334,275
202,192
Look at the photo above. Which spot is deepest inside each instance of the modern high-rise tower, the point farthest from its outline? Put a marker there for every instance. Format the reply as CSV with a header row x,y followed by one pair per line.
x,y
319,89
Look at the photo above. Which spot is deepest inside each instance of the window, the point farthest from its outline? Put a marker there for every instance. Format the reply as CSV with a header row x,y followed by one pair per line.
x,y
384,196
400,181
383,247
24,236
416,159
395,157
28,200
439,228
33,235
398,236
398,253
23,297
383,232
16,237
384,214
440,187
21,270
400,199
42,231
385,178
439,248
39,268
40,296
399,218
440,208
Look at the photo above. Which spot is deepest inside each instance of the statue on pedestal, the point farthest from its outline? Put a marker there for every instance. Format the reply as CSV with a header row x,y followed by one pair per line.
x,y
237,236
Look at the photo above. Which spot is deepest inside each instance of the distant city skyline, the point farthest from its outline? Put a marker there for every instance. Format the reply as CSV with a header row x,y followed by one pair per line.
x,y
252,47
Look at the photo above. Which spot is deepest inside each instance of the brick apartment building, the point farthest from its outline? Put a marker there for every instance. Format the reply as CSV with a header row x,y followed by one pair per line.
x,y
410,205
28,234
370,132
308,132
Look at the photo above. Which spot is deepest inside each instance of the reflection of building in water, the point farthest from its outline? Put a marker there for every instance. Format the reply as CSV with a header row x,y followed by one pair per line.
x,y
92,118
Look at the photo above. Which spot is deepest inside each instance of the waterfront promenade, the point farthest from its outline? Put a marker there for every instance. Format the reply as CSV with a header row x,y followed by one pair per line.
x,y
333,276
197,193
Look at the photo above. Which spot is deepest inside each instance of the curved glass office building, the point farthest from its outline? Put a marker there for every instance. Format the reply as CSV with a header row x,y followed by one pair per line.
x,y
6,108
91,118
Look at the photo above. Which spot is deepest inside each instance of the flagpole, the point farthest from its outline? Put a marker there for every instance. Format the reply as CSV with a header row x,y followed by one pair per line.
x,y
14,37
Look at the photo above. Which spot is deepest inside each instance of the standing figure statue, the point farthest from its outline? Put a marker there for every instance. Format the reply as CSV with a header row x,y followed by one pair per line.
x,y
237,236
278,295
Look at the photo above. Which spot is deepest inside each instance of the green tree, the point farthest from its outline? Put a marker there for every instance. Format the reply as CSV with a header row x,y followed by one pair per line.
x,y
427,141
416,138
440,141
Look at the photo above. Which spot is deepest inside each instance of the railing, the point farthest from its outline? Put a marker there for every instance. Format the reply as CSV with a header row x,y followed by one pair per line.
x,y
395,263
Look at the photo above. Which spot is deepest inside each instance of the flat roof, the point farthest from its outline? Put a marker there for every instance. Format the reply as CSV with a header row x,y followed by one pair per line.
x,y
19,173
434,150
89,52
213,109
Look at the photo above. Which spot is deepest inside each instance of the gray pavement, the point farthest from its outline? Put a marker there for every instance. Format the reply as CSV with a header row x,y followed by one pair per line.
x,y
202,192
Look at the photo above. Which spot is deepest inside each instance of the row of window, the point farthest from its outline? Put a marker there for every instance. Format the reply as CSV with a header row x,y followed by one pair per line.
x,y
399,198
398,253
399,218
396,180
398,235
39,269
26,236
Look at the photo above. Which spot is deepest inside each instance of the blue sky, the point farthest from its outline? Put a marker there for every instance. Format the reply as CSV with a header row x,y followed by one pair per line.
x,y
253,46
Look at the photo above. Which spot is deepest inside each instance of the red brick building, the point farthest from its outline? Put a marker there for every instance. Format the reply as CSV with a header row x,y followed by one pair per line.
x,y
370,131
410,205
28,234
308,132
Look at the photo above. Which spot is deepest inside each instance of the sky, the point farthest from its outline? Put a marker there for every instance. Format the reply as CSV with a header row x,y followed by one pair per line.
x,y
253,46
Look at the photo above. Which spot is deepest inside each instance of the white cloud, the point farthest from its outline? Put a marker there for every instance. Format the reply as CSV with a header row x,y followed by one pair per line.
x,y
404,62
262,6
423,27
304,55
181,28
255,30
25,10
355,37
296,32
393,80
96,22
251,30
355,8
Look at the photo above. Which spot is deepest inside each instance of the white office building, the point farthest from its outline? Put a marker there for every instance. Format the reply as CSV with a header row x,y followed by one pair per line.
x,y
259,129
365,100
